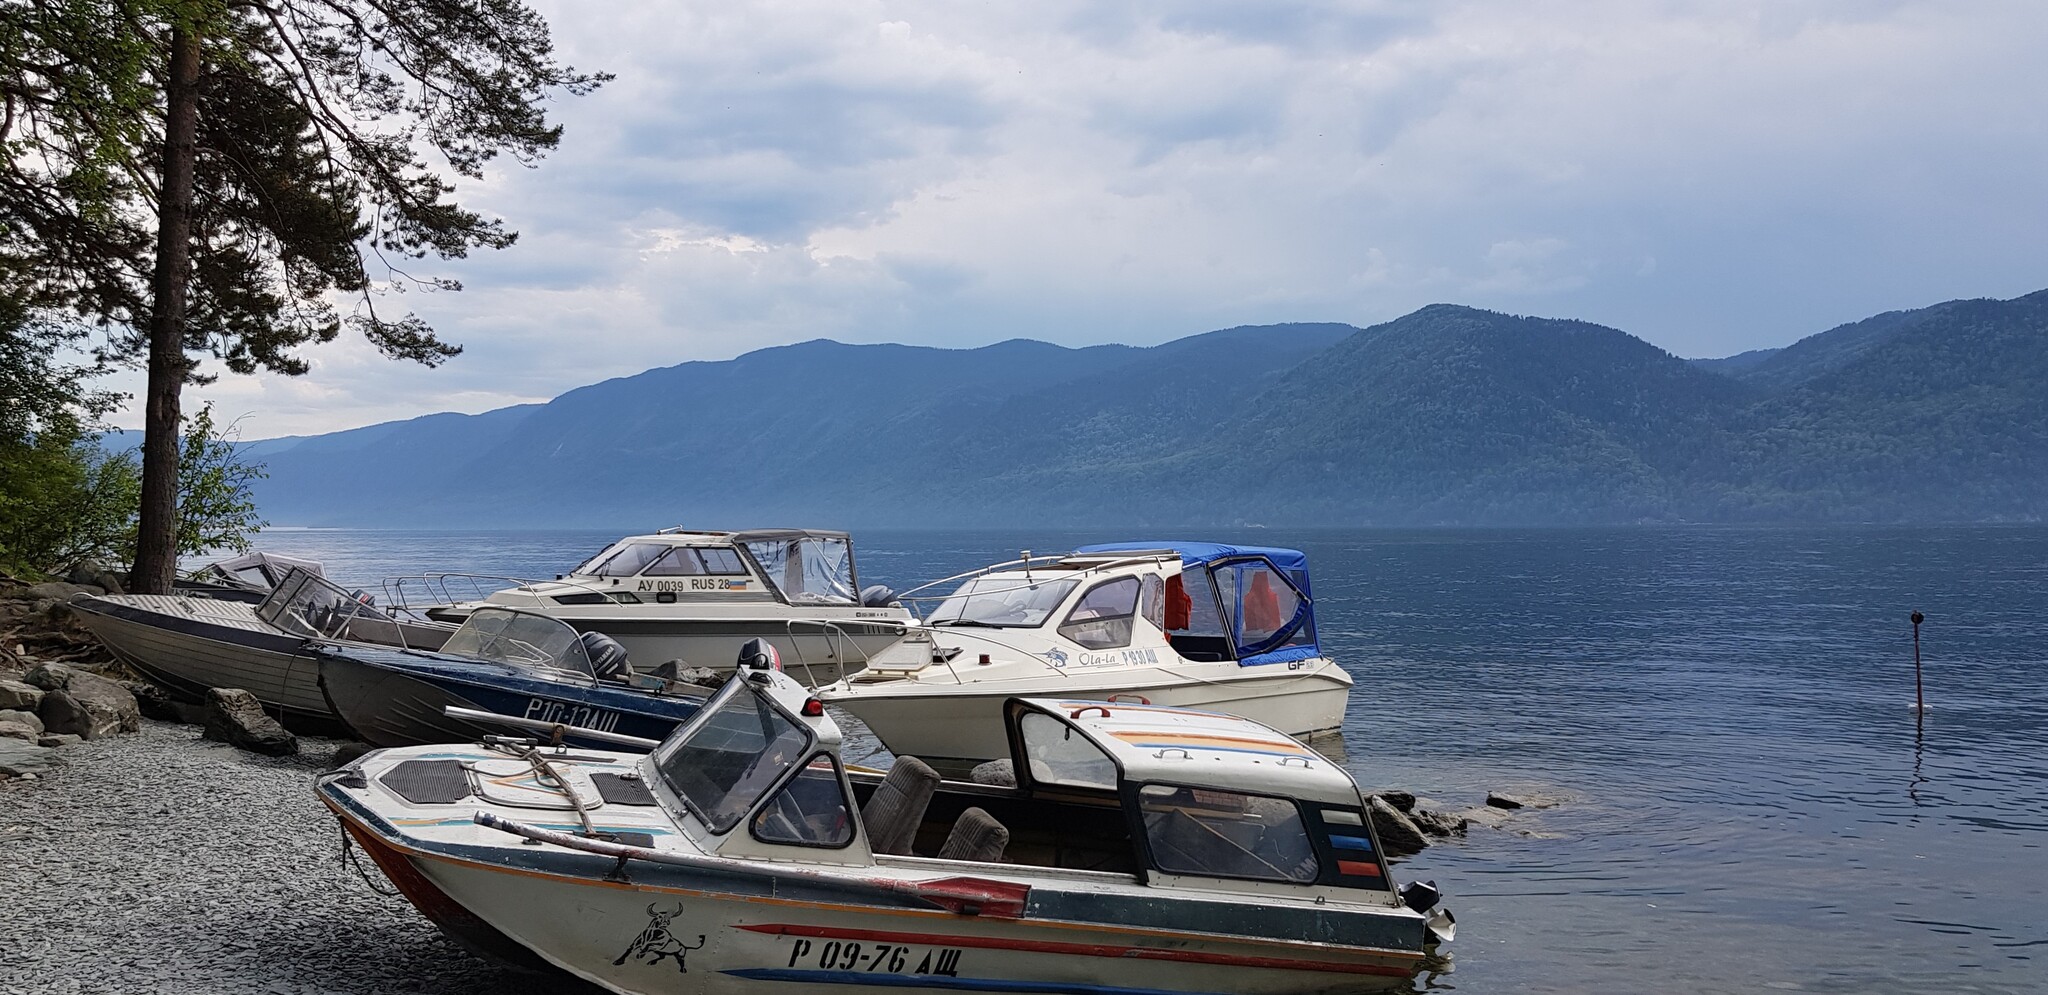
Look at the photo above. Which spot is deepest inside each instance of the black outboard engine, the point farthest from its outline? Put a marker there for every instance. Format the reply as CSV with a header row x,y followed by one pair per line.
x,y
759,654
877,596
607,658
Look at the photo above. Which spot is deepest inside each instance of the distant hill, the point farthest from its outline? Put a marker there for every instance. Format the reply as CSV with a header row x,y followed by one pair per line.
x,y
1449,414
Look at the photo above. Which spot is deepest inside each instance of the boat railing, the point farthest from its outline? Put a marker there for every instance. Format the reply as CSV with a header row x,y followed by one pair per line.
x,y
836,637
1027,562
416,594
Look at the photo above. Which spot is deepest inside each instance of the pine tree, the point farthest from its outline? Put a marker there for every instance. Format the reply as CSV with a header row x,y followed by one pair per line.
x,y
205,177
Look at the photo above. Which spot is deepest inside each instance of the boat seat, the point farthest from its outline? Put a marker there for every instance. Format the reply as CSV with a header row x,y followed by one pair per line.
x,y
976,836
896,809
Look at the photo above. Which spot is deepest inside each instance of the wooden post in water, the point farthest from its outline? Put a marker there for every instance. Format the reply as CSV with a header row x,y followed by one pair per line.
x,y
1919,695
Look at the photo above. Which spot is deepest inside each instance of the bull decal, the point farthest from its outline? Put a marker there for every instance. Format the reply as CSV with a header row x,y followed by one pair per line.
x,y
656,942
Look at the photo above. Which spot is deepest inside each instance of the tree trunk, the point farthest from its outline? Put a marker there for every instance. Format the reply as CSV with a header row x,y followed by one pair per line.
x,y
156,540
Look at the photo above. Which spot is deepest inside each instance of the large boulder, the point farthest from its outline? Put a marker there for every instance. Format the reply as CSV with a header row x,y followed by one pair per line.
x,y
27,719
10,729
50,676
235,717
1437,823
87,705
19,695
1398,834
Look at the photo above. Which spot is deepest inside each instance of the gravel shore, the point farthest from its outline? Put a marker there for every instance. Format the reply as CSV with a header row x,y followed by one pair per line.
x,y
160,862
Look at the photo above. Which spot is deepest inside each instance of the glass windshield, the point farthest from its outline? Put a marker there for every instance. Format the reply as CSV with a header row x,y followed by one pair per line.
x,y
1006,602
732,756
1059,755
815,570
520,639
1226,834
308,605
811,810
630,560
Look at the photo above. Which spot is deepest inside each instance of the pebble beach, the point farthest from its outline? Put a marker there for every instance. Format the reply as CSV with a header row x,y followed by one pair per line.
x,y
162,862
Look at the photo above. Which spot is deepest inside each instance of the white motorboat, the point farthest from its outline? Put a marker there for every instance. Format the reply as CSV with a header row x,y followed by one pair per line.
x,y
1142,851
697,597
1199,625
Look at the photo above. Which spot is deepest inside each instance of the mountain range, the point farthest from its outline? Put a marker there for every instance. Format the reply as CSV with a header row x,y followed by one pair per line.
x,y
1448,415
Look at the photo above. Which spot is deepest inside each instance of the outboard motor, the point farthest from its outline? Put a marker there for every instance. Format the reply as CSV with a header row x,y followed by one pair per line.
x,y
759,654
877,596
607,657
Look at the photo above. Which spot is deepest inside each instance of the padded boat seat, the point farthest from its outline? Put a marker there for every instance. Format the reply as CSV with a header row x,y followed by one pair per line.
x,y
976,836
896,809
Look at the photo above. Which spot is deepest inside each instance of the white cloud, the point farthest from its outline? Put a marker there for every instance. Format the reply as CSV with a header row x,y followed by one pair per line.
x,y
1714,177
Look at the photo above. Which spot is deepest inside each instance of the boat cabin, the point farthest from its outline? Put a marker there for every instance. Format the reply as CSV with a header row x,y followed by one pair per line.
x,y
1115,792
1117,605
796,567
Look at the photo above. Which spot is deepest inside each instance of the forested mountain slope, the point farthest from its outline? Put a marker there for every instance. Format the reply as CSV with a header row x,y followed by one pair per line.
x,y
1446,415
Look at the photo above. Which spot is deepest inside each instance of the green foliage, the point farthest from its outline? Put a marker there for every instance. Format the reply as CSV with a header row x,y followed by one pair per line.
x,y
215,509
64,499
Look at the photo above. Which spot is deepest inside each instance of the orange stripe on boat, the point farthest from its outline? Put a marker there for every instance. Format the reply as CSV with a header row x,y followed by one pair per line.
x,y
1356,868
1208,739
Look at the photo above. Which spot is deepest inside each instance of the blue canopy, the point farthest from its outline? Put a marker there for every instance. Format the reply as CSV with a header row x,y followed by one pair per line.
x,y
1294,561
1281,646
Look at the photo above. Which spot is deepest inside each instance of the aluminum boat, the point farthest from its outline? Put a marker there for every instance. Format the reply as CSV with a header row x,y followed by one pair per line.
x,y
1142,851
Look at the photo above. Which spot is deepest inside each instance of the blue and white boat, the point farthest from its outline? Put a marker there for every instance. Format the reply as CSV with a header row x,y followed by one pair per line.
x,y
506,662
1193,624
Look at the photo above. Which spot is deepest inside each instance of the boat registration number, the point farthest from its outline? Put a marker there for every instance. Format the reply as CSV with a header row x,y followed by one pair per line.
x,y
877,958
564,713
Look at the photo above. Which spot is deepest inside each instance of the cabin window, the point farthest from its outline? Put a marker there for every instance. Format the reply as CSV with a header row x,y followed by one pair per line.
x,y
1226,834
720,560
1057,754
1101,620
1002,601
680,561
811,810
1152,601
631,560
732,756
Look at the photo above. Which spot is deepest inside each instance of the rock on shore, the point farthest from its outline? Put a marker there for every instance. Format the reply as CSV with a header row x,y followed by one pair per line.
x,y
161,862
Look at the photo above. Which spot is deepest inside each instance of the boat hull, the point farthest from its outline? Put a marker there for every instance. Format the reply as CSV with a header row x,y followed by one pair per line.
x,y
964,723
390,704
190,645
682,934
816,652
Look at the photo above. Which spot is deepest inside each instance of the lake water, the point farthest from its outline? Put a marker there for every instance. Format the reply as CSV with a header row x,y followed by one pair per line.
x,y
1753,805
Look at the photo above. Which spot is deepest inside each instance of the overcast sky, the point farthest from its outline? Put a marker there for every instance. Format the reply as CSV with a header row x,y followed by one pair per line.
x,y
1710,176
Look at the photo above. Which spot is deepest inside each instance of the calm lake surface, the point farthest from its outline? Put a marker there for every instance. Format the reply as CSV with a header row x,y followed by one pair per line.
x,y
1753,807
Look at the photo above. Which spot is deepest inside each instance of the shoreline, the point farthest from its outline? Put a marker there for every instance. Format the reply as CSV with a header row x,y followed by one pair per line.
x,y
160,861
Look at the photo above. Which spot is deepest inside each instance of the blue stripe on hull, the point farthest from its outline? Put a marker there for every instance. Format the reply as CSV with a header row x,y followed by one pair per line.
x,y
943,983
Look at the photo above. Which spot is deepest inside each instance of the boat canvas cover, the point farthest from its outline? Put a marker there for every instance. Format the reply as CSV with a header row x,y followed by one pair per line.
x,y
1279,648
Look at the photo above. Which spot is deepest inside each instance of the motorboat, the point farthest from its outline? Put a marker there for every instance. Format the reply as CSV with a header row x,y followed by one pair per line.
x,y
188,643
249,577
1140,849
697,596
501,662
1189,624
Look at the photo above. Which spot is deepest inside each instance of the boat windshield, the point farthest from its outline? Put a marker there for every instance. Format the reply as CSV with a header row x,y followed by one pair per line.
x,y
1002,602
520,639
809,570
732,754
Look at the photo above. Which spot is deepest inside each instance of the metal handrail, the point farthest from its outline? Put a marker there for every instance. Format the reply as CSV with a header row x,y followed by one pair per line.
x,y
1026,563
